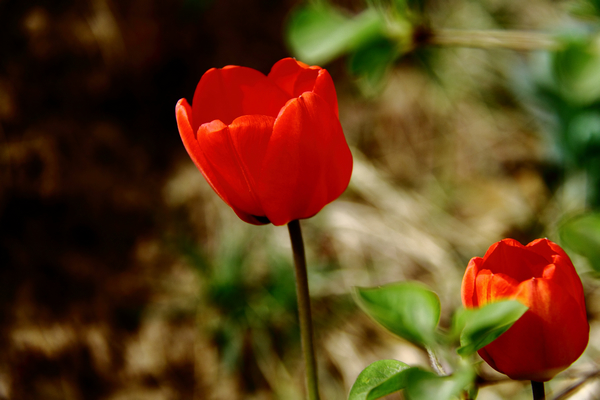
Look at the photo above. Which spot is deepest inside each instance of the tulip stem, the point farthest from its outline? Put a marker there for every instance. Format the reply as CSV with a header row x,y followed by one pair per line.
x,y
304,314
538,390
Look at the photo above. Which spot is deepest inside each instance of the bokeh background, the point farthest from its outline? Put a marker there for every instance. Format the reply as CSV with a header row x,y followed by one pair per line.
x,y
123,276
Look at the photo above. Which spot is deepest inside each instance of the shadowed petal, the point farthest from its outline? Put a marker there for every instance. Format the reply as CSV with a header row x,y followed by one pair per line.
x,y
227,93
513,259
546,249
295,78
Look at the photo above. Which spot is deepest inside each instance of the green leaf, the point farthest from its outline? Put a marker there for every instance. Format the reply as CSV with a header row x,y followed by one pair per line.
x,y
576,69
379,379
582,235
587,9
372,62
317,33
459,320
425,385
584,133
407,309
487,323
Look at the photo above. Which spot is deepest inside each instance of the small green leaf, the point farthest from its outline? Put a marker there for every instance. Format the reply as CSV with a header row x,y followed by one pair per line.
x,y
379,379
407,309
318,33
582,235
372,62
487,323
425,385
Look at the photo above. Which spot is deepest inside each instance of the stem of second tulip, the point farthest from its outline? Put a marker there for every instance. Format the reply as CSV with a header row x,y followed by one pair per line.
x,y
304,314
538,390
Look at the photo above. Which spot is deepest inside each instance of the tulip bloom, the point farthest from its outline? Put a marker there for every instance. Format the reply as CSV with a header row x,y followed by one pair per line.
x,y
554,332
272,147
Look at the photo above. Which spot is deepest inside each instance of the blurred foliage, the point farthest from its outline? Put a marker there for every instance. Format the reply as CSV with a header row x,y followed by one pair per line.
x,y
582,235
571,95
253,312
411,311
423,385
408,309
379,379
319,32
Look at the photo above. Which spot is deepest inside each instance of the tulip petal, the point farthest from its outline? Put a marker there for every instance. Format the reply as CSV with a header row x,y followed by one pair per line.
x,y
546,340
227,93
228,152
566,275
307,163
325,88
183,112
295,78
515,260
492,287
250,136
468,288
543,248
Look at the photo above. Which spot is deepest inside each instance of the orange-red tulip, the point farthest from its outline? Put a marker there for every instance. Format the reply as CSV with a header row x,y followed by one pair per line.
x,y
272,147
554,332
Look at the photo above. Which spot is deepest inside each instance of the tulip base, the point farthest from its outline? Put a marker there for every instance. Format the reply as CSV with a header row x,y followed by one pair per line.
x,y
538,390
304,313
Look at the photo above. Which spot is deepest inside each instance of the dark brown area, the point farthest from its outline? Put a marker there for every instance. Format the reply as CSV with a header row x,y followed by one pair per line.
x,y
87,139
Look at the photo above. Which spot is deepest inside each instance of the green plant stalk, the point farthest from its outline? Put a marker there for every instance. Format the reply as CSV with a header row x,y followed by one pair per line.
x,y
538,390
435,362
304,313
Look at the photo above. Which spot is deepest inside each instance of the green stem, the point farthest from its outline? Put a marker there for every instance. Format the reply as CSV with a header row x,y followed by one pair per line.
x,y
435,362
538,390
304,314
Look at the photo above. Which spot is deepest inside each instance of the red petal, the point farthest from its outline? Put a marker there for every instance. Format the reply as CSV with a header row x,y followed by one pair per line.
x,y
307,163
545,248
228,93
325,88
515,260
295,78
231,174
547,339
490,287
182,112
250,136
503,287
561,271
468,290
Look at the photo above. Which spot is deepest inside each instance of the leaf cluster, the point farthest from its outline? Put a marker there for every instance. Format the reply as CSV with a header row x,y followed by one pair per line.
x,y
412,312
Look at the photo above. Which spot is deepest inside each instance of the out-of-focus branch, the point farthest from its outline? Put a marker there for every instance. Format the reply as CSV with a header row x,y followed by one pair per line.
x,y
485,39
576,386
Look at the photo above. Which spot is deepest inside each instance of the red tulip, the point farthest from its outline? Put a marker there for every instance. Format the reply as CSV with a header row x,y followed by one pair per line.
x,y
272,147
554,332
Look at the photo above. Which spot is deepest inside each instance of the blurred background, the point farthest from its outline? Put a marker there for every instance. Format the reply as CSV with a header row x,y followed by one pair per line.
x,y
123,276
